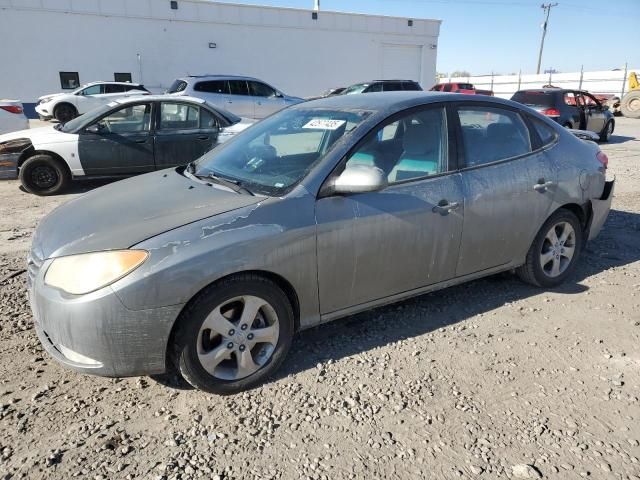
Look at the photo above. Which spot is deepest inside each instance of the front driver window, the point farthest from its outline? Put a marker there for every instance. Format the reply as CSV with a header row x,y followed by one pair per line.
x,y
413,146
92,90
129,119
261,90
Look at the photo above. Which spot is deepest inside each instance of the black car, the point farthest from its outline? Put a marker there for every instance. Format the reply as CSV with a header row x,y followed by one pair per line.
x,y
575,109
125,137
382,86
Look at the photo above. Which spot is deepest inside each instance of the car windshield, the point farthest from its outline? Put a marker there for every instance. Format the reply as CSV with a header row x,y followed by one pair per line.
x,y
271,157
543,99
358,88
83,120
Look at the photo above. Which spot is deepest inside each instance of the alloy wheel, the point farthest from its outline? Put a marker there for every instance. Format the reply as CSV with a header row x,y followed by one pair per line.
x,y
238,337
558,248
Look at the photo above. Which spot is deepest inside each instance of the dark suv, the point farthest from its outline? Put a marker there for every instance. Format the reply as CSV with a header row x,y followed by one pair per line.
x,y
382,86
574,109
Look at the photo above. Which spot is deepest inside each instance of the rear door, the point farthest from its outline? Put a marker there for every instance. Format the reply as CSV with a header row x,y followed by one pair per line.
x,y
119,143
509,184
184,132
266,100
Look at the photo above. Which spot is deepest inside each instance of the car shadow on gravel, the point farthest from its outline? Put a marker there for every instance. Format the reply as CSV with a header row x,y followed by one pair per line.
x,y
615,246
617,139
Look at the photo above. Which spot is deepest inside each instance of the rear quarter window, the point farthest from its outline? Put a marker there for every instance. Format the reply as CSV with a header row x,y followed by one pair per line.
x,y
546,133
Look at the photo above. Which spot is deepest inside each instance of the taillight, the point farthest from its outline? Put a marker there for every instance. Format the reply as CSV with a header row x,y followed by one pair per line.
x,y
603,159
551,112
11,108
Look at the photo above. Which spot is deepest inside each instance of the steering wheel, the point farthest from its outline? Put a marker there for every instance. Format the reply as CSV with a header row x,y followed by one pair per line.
x,y
258,155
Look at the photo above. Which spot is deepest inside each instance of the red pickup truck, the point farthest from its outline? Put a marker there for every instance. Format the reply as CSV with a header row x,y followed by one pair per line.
x,y
467,88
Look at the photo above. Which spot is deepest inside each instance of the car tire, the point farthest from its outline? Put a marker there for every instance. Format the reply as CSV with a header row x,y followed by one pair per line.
x,y
65,112
44,175
630,104
215,347
548,263
605,135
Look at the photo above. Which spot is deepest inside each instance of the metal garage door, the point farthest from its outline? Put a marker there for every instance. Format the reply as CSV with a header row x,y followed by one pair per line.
x,y
402,62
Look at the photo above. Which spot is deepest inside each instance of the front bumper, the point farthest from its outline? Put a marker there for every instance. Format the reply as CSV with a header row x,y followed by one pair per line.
x,y
43,111
600,208
96,333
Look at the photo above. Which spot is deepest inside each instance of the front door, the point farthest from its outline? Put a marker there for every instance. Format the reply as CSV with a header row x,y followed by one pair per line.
x,y
594,112
508,185
184,133
404,237
120,143
265,99
238,100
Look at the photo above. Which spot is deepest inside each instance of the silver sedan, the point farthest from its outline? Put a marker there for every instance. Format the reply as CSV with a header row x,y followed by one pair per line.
x,y
322,210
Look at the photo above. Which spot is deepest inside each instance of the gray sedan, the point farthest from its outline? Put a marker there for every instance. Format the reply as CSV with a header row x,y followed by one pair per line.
x,y
325,209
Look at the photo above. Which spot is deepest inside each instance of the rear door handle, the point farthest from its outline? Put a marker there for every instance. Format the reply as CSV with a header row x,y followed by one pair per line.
x,y
203,137
444,207
141,141
542,186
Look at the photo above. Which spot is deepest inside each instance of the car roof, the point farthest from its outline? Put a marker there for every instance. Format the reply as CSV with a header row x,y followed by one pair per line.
x,y
388,102
155,98
221,77
103,82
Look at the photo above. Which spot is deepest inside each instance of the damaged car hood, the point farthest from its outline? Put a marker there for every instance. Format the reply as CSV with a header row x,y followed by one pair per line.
x,y
127,212
42,135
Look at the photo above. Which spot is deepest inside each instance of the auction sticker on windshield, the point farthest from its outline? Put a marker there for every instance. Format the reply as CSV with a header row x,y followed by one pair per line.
x,y
324,124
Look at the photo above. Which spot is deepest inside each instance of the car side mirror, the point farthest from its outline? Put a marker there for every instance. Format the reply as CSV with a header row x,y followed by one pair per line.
x,y
279,95
360,179
605,107
95,128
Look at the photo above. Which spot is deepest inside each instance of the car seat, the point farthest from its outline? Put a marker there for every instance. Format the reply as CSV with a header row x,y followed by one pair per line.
x,y
421,152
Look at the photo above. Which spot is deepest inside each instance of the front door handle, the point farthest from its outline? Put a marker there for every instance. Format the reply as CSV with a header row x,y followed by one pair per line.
x,y
141,141
444,207
203,137
542,186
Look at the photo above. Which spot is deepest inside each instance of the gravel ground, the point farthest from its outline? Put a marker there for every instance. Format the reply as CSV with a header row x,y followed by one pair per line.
x,y
492,379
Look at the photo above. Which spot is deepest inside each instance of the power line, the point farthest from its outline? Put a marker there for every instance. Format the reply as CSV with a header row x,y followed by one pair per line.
x,y
547,8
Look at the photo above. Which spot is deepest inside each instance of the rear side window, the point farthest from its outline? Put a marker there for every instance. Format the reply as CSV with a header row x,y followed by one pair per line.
x,y
114,88
491,134
392,86
238,87
212,86
447,87
208,120
177,86
178,116
545,132
542,99
411,86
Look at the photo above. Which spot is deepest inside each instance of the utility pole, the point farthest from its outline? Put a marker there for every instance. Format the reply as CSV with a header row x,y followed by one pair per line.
x,y
547,8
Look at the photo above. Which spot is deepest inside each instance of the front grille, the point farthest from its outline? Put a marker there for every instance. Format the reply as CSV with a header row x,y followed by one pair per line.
x,y
34,262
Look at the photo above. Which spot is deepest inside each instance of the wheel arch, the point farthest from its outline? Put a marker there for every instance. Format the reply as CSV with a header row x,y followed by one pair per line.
x,y
279,280
60,103
31,151
583,212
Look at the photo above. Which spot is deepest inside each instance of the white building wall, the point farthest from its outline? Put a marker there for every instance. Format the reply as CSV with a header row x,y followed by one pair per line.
x,y
285,47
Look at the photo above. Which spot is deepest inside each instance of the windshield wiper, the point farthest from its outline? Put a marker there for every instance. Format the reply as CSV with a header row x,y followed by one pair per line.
x,y
234,185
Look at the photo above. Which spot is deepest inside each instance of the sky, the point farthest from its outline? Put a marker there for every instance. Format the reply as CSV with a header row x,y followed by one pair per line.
x,y
502,36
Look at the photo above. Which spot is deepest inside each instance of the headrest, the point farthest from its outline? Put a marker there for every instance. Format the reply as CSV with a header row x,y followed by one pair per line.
x,y
501,130
420,139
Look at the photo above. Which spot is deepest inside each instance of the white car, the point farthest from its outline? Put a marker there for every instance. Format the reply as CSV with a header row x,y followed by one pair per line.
x,y
125,137
12,116
66,106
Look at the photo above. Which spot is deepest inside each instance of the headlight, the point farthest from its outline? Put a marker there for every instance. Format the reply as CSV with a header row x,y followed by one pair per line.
x,y
87,272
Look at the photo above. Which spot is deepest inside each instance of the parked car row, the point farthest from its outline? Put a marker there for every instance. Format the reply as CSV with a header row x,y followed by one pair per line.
x,y
125,137
210,268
